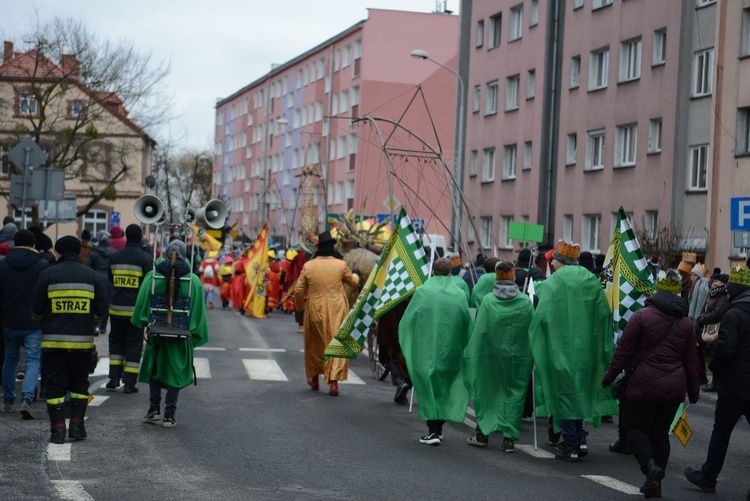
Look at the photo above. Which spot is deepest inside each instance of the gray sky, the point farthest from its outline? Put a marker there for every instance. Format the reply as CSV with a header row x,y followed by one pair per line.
x,y
215,47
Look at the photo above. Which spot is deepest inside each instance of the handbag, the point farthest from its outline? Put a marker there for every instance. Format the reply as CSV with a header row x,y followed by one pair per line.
x,y
620,384
710,333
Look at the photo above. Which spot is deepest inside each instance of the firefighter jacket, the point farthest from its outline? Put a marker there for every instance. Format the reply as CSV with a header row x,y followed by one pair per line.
x,y
127,267
69,298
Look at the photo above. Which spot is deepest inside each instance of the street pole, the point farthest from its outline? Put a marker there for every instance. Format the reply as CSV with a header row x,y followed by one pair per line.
x,y
26,168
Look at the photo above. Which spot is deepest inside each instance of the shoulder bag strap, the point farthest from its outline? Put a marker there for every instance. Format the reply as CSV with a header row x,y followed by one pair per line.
x,y
674,324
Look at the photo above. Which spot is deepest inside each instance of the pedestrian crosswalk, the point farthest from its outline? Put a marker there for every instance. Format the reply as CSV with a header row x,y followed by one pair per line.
x,y
257,369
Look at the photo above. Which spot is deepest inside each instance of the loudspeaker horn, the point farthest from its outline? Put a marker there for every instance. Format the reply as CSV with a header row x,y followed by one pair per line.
x,y
189,216
149,209
201,232
214,214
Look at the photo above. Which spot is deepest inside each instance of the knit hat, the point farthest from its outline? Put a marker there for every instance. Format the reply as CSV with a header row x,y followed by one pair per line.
x,y
86,236
177,246
688,261
505,270
670,282
104,236
8,219
9,230
68,244
133,233
586,259
567,253
549,254
116,232
524,258
700,270
24,238
721,277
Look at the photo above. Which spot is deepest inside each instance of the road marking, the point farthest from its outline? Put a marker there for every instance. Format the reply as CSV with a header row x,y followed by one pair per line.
x,y
210,348
263,370
353,379
97,400
102,367
58,452
71,490
202,369
272,350
538,453
613,483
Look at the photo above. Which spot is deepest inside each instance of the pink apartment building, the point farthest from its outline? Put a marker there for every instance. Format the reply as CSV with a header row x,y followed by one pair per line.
x,y
579,107
311,111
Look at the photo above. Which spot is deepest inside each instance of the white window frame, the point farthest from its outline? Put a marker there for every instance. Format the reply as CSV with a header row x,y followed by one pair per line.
x,y
659,47
473,163
95,220
485,231
567,227
530,84
505,241
598,4
479,34
495,32
489,158
577,4
533,13
28,105
571,149
742,141
595,143
651,222
477,99
655,135
510,161
630,60
528,151
575,72
626,145
703,3
703,73
591,231
490,97
515,23
599,68
512,85
698,165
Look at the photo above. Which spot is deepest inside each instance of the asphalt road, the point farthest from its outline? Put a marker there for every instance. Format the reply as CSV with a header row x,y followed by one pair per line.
x,y
239,438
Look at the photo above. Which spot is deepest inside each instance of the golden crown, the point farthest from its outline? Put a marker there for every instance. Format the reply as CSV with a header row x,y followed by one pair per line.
x,y
740,275
689,257
506,275
566,250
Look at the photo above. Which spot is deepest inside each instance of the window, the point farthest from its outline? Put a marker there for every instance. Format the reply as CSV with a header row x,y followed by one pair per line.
x,y
595,150
654,135
703,3
76,108
598,68
567,229
473,160
659,47
745,34
531,84
598,4
494,35
341,149
527,155
485,231
472,234
651,222
515,26
349,191
337,60
590,237
488,165
355,96
358,48
571,149
344,101
630,60
477,102
742,146
505,241
490,98
703,72
511,92
5,168
533,13
321,73
626,137
27,103
575,72
339,196
510,154
95,221
479,34
698,167
346,56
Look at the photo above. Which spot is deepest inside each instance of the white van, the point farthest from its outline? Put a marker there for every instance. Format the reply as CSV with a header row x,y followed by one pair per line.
x,y
436,241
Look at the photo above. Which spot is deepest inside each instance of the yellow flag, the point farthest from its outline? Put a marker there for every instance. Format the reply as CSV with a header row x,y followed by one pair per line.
x,y
682,430
255,276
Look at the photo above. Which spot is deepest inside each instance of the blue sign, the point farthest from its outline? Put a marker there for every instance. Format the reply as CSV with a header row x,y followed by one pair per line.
x,y
381,217
739,210
114,218
418,225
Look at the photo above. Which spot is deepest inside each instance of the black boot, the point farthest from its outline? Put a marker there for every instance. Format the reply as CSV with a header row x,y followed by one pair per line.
x,y
78,411
402,388
57,423
654,475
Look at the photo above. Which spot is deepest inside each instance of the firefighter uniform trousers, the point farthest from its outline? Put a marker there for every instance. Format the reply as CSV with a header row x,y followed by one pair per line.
x,y
125,347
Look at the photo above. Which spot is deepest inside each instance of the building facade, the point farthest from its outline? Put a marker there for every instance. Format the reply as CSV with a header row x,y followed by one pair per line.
x,y
583,106
331,109
85,132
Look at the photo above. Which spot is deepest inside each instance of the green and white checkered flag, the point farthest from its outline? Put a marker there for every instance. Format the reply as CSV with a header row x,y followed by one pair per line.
x,y
403,266
626,279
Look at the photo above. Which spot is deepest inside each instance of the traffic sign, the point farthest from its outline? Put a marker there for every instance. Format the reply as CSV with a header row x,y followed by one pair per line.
x,y
741,239
418,225
27,150
739,213
114,218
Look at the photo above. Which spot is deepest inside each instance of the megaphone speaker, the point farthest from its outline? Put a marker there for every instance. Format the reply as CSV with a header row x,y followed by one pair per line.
x,y
189,216
148,209
214,214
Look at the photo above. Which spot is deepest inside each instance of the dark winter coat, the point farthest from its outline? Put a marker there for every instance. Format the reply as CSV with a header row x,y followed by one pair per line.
x,y
98,261
672,368
19,272
716,306
730,359
534,273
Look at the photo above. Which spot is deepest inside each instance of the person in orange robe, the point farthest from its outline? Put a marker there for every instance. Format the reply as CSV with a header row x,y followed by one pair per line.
x,y
225,275
239,287
273,283
323,278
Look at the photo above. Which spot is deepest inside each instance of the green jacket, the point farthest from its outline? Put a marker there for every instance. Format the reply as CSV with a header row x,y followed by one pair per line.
x,y
461,283
170,360
433,334
484,286
571,340
498,362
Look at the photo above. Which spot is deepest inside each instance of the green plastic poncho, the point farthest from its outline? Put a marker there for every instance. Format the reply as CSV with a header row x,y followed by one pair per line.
x,y
463,286
571,341
433,334
483,287
498,363
170,360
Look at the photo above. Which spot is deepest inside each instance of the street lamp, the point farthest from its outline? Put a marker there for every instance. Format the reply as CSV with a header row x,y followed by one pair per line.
x,y
458,166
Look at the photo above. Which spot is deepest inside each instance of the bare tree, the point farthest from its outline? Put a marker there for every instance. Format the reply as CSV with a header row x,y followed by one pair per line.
x,y
184,178
667,241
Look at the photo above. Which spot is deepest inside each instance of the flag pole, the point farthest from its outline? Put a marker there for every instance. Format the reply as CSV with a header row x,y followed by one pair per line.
x,y
533,403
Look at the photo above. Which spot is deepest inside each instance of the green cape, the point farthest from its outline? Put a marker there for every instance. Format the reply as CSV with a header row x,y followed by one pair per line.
x,y
498,363
571,340
433,334
484,286
463,286
170,360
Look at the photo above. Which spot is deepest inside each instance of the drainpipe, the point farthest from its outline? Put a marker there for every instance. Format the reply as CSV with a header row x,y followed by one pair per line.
x,y
551,124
